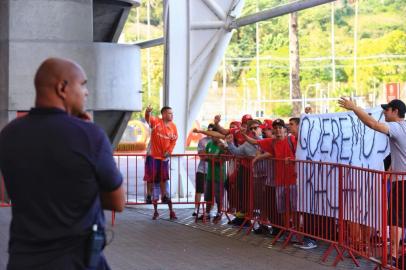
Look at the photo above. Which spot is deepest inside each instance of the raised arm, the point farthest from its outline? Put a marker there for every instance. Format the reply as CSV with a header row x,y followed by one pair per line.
x,y
219,128
363,116
148,111
210,133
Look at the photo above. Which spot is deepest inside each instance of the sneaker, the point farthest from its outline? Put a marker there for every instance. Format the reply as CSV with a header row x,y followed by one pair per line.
x,y
309,244
298,245
236,221
155,216
262,229
217,218
231,222
148,200
258,230
172,215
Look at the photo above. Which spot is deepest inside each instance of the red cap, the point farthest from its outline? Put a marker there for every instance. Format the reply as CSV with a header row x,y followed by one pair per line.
x,y
245,118
267,124
236,123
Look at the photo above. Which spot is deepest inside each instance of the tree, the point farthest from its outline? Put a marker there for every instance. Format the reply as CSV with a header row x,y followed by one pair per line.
x,y
294,63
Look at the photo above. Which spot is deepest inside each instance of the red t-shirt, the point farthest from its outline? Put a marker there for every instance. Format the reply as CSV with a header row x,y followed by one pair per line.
x,y
285,172
163,137
238,137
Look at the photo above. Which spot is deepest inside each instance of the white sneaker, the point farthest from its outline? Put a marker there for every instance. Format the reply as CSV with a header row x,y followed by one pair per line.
x,y
309,244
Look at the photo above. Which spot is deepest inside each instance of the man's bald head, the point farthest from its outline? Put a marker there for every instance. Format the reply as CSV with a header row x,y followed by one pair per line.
x,y
56,83
53,70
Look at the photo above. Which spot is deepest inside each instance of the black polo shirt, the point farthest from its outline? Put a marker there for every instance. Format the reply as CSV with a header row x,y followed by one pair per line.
x,y
54,166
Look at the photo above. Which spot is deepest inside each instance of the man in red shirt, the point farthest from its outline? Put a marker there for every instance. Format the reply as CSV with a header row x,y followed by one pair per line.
x,y
283,149
239,138
163,139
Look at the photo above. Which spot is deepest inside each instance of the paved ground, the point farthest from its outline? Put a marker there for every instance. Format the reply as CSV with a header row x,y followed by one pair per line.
x,y
142,244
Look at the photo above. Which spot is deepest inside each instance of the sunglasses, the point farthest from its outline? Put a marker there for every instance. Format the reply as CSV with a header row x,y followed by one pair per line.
x,y
254,128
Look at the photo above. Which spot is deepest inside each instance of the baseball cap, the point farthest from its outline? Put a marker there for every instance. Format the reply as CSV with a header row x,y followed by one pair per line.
x,y
267,124
395,104
236,123
245,118
278,122
252,122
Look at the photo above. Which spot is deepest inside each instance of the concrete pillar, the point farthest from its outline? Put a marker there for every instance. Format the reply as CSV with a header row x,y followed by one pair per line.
x,y
33,30
4,59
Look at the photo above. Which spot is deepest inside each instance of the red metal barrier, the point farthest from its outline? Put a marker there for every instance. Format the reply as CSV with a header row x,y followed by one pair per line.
x,y
181,168
238,192
357,211
342,205
395,201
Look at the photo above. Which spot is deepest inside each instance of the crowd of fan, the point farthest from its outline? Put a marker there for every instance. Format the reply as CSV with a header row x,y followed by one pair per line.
x,y
256,140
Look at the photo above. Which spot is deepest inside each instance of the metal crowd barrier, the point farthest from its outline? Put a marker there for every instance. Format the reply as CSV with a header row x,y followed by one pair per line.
x,y
352,209
356,211
347,207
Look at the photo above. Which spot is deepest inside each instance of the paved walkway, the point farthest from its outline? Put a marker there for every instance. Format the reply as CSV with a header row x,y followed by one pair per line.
x,y
142,244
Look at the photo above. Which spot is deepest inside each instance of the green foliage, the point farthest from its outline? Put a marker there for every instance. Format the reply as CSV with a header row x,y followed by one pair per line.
x,y
282,110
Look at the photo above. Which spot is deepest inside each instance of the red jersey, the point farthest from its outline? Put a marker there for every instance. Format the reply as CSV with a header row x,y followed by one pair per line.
x,y
163,137
285,173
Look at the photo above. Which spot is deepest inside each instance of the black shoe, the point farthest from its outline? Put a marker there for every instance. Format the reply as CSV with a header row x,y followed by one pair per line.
x,y
262,229
258,230
236,221
194,214
148,200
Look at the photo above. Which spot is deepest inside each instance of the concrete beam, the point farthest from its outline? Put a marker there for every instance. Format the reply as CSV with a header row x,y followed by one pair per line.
x,y
51,20
114,83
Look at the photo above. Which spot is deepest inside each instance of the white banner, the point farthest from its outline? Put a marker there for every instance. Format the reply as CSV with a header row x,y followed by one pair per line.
x,y
340,138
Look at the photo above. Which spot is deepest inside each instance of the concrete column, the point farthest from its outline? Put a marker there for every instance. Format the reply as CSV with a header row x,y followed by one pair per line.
x,y
176,66
4,37
33,30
